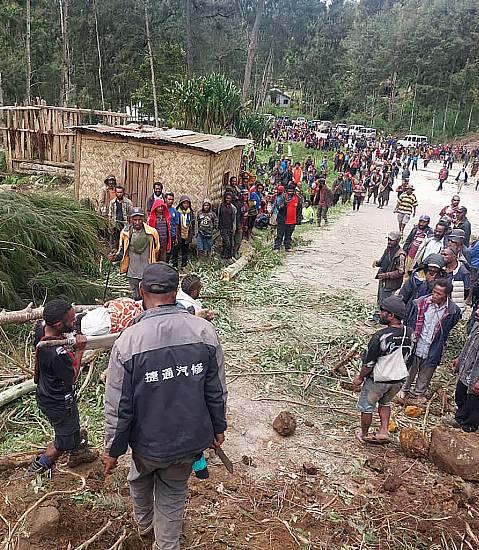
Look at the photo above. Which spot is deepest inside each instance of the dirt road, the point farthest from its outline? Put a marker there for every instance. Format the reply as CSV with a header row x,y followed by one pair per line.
x,y
340,257
337,258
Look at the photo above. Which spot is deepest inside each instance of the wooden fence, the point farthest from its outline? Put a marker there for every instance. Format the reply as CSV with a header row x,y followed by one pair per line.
x,y
39,138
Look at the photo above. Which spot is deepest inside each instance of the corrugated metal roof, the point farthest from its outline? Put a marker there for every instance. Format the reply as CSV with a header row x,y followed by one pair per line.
x,y
169,136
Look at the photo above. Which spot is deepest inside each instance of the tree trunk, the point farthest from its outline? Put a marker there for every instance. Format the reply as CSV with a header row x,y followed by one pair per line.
x,y
253,44
1,102
100,64
446,109
468,120
413,107
65,65
19,390
189,38
32,314
152,64
28,51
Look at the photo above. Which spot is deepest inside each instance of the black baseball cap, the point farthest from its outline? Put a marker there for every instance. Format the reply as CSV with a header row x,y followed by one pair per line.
x,y
160,278
394,305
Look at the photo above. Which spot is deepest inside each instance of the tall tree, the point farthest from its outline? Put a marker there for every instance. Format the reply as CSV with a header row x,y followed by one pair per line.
x,y
152,63
189,37
28,52
65,84
100,63
253,44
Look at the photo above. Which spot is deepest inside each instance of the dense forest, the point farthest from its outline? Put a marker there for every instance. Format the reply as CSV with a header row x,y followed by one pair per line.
x,y
394,64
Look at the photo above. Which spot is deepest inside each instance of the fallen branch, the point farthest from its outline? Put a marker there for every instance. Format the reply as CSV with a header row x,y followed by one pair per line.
x,y
118,544
265,328
14,392
232,270
93,538
32,314
19,390
339,367
105,341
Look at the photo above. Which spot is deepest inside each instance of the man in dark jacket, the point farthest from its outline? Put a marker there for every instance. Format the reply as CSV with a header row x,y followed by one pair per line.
x,y
414,240
467,388
289,206
155,196
422,280
322,199
166,399
391,269
432,318
227,219
463,223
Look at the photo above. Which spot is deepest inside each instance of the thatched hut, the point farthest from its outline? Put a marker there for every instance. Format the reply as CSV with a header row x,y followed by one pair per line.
x,y
184,161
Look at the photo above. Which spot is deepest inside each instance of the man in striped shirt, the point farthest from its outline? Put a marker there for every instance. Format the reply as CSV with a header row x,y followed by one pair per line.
x,y
406,207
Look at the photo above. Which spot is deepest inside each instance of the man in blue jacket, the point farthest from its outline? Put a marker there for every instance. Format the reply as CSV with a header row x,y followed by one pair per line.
x,y
166,399
432,318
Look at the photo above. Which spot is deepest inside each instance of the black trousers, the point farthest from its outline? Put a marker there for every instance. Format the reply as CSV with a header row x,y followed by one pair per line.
x,y
284,233
227,241
181,249
467,413
357,201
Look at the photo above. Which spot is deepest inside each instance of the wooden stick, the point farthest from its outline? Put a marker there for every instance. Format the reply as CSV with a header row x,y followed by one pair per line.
x,y
92,539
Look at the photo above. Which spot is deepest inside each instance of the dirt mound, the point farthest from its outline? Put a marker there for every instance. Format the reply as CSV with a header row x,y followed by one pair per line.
x,y
470,140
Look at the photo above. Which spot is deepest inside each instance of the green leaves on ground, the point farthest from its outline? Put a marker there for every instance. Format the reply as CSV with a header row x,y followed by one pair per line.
x,y
49,244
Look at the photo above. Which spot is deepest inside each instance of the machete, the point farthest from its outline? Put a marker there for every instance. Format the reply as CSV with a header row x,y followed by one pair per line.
x,y
224,459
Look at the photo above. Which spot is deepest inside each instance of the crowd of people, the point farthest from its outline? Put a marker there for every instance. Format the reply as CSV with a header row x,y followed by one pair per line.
x,y
169,354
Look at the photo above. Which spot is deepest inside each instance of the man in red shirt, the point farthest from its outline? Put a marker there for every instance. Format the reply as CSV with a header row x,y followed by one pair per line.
x,y
289,207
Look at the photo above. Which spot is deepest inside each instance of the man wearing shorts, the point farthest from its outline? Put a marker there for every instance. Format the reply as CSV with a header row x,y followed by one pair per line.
x,y
56,373
406,207
380,394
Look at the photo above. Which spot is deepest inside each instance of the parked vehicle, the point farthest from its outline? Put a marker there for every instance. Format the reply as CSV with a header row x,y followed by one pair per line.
x,y
299,121
412,140
368,133
341,128
324,125
355,129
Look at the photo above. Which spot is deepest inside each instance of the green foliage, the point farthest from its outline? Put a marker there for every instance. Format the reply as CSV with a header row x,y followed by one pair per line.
x,y
208,103
364,61
49,244
252,125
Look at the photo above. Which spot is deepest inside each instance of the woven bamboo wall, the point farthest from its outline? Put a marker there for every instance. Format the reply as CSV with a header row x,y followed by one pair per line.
x,y
181,171
99,158
227,161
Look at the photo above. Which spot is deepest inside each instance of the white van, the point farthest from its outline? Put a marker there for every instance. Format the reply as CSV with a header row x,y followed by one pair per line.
x,y
368,133
355,129
412,140
340,128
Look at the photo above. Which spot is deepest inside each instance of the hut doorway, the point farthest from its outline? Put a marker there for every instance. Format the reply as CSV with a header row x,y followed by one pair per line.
x,y
138,180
